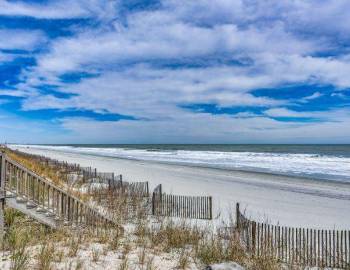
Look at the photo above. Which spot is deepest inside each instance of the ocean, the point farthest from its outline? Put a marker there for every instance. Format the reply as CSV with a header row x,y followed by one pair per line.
x,y
322,162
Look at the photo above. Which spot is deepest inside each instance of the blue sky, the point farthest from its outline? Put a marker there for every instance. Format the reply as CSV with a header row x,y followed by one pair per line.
x,y
175,71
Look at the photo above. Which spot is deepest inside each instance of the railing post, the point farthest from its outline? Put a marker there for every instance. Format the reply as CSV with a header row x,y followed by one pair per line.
x,y
2,195
2,203
3,172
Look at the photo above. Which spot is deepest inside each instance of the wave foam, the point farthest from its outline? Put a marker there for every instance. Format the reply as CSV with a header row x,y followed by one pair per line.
x,y
311,165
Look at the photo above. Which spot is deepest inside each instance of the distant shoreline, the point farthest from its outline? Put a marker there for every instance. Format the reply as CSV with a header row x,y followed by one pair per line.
x,y
317,177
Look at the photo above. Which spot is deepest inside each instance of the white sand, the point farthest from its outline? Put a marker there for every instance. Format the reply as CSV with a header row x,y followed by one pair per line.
x,y
107,259
285,200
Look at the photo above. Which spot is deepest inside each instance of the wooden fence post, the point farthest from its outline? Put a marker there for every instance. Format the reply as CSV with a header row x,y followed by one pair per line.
x,y
210,208
153,204
253,247
237,216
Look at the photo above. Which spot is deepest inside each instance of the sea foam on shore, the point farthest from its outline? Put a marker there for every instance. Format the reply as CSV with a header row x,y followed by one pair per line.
x,y
314,163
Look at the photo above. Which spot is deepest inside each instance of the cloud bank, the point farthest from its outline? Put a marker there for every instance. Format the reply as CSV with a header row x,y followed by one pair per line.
x,y
177,71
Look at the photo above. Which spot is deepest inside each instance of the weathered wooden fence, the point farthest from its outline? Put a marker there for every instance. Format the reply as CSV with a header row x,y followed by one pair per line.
x,y
2,197
109,178
196,207
89,172
60,165
92,175
303,246
137,188
39,193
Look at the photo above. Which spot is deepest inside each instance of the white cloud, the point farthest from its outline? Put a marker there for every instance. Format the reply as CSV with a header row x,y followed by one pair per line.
x,y
20,39
161,36
151,62
143,91
283,112
340,95
12,93
58,9
322,19
313,96
206,128
169,34
337,115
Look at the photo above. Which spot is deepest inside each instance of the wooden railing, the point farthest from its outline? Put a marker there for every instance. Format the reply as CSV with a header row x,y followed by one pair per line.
x,y
303,246
36,191
2,180
2,196
197,207
91,175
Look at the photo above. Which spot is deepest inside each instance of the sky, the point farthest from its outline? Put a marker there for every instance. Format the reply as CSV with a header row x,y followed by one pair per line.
x,y
175,71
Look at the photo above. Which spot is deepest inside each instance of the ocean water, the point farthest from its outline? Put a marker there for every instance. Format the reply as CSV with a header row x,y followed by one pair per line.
x,y
324,162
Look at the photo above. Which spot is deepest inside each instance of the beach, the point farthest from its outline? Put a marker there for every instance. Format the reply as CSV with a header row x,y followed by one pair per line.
x,y
280,199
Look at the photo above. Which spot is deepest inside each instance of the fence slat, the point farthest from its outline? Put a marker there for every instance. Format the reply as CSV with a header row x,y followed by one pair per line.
x,y
181,206
334,250
346,261
303,246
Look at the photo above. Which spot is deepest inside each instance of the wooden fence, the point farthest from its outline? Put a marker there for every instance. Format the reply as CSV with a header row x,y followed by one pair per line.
x,y
119,187
109,178
60,165
92,175
303,246
196,207
137,188
38,192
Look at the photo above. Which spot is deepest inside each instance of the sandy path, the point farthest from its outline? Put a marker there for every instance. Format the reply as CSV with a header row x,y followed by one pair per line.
x,y
286,200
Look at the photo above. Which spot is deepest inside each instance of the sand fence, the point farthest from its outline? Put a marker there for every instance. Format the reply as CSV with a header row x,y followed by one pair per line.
x,y
302,246
195,207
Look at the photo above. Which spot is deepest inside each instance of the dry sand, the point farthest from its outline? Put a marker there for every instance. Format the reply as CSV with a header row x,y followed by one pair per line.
x,y
289,201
